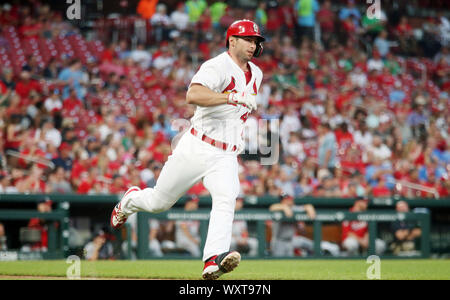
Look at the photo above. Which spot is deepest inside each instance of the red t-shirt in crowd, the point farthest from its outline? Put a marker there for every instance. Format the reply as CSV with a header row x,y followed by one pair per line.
x,y
23,88
71,104
325,17
359,228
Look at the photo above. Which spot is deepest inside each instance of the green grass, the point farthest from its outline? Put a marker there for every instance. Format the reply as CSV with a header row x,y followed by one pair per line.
x,y
248,269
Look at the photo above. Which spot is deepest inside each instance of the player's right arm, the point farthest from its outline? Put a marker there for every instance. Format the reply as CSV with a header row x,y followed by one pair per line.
x,y
206,85
202,96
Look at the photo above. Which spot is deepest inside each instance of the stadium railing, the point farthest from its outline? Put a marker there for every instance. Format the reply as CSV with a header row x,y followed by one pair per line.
x,y
261,216
12,207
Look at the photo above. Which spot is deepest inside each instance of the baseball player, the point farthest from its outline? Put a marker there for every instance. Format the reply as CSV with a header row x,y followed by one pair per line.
x,y
355,234
187,233
224,91
240,239
284,237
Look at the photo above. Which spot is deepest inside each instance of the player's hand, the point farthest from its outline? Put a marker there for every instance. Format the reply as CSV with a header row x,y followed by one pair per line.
x,y
243,98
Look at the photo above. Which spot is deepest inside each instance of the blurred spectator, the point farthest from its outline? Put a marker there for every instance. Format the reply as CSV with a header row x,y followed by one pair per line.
x,y
73,78
327,147
14,133
217,11
444,29
34,182
187,235
48,134
378,150
161,237
141,56
286,13
53,103
3,238
358,78
165,60
303,187
373,24
379,170
355,234
195,9
405,35
375,63
52,70
8,78
405,232
382,44
306,17
99,248
146,8
160,22
44,205
288,236
241,241
344,137
350,10
6,185
26,84
261,15
64,159
282,243
417,118
326,19
154,244
58,183
179,18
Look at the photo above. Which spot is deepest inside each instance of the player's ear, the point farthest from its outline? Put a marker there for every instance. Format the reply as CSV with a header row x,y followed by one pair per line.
x,y
231,41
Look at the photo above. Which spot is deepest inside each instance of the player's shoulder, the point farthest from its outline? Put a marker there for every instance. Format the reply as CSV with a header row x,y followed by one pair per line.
x,y
215,61
255,68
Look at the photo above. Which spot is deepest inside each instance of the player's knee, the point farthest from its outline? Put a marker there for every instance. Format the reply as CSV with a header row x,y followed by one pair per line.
x,y
160,202
158,207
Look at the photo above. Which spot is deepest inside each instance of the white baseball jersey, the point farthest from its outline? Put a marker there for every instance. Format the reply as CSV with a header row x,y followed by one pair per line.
x,y
224,122
194,159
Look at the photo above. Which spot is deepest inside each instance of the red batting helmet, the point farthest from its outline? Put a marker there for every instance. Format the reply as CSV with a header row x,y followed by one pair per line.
x,y
246,28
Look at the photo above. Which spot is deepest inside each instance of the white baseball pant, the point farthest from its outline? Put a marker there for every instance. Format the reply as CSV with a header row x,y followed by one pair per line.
x,y
352,246
191,161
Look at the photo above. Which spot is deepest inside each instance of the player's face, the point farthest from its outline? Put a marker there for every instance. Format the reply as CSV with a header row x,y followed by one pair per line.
x,y
245,47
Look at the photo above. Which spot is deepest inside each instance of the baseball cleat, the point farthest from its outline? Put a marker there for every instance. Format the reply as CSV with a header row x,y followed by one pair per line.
x,y
118,216
218,265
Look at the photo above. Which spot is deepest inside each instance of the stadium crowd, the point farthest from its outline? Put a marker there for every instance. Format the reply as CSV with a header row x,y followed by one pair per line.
x,y
362,103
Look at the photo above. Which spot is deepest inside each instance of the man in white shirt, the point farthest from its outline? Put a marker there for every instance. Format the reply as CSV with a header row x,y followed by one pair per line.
x,y
141,56
378,149
179,18
53,103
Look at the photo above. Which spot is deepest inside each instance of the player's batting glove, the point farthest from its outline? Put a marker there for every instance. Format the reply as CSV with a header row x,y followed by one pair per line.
x,y
248,100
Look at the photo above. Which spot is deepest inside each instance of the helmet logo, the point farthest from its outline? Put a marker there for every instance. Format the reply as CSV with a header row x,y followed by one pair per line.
x,y
255,28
